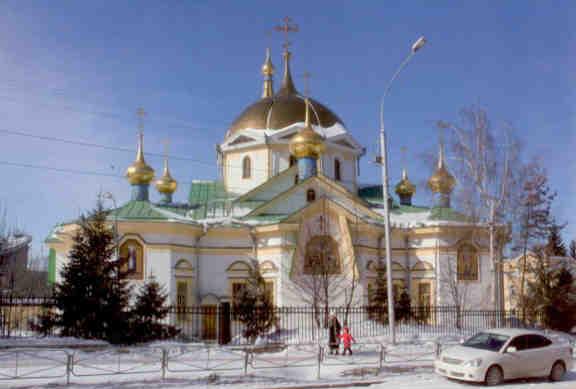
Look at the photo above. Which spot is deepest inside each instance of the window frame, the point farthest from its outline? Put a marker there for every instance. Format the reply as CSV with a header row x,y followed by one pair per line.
x,y
246,167
337,170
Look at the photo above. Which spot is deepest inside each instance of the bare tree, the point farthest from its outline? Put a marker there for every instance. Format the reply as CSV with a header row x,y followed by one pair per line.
x,y
534,217
487,167
323,273
457,290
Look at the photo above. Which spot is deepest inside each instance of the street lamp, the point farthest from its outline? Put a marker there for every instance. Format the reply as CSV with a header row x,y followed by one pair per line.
x,y
384,162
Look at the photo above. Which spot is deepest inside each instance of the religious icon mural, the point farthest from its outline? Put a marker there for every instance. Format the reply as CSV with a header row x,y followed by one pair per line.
x,y
132,252
467,263
322,256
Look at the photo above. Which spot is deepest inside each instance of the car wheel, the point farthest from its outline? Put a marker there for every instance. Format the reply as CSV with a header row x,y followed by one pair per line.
x,y
494,376
557,372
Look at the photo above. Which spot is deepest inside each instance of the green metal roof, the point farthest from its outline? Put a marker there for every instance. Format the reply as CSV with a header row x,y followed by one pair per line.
x,y
447,214
139,210
202,192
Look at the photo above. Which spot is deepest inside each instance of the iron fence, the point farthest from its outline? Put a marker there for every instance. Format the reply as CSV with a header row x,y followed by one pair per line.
x,y
290,325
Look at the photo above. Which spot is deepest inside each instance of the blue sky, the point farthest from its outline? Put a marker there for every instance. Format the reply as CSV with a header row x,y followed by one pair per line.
x,y
78,70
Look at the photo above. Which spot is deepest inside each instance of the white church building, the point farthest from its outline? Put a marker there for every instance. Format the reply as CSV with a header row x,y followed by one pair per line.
x,y
287,201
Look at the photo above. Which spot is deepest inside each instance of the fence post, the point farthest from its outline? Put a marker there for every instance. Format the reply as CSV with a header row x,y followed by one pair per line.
x,y
246,359
437,348
164,363
319,362
69,363
382,356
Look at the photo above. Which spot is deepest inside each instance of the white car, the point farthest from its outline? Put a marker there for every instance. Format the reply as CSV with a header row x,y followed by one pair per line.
x,y
496,355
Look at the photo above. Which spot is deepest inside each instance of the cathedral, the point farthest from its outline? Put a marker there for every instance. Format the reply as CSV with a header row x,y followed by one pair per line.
x,y
288,202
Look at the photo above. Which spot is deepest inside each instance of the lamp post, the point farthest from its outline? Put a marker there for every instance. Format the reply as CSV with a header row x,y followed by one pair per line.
x,y
110,196
384,163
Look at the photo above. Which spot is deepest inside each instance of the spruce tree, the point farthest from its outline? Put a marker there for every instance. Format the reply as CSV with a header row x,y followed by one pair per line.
x,y
552,294
555,245
148,312
572,249
93,297
379,298
253,306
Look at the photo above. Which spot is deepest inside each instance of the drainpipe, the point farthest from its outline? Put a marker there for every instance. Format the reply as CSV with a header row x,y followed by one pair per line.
x,y
198,273
408,275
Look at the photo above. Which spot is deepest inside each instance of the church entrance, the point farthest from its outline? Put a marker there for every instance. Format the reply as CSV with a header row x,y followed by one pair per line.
x,y
209,313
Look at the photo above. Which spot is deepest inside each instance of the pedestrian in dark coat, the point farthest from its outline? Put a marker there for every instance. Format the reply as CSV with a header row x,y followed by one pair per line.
x,y
334,334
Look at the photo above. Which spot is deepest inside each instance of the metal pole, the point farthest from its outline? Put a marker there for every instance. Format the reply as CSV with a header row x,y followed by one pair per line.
x,y
384,164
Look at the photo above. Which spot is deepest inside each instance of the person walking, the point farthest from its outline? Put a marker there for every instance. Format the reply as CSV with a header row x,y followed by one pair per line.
x,y
347,340
334,334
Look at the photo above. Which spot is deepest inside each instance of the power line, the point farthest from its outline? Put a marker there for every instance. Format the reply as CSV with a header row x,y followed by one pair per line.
x,y
100,174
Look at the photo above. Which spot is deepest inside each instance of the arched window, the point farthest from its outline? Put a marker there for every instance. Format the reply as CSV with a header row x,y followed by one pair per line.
x,y
467,267
292,160
310,195
322,256
132,254
246,167
337,170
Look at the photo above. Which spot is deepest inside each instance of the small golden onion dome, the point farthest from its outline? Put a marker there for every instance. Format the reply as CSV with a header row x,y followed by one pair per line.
x,y
405,187
268,67
166,184
441,181
307,142
140,173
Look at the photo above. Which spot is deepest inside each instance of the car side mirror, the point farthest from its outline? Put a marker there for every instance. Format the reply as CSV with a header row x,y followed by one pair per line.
x,y
511,349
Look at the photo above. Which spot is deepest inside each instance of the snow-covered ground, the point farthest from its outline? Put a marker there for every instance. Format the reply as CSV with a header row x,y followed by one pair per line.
x,y
407,365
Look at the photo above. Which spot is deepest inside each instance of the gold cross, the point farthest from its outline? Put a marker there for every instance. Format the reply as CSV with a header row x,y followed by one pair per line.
x,y
403,150
166,143
307,76
141,114
287,28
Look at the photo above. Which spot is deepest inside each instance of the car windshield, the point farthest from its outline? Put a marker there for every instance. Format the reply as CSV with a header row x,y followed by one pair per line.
x,y
487,341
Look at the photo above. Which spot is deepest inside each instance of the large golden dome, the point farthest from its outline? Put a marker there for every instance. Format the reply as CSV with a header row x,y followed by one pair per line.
x,y
283,109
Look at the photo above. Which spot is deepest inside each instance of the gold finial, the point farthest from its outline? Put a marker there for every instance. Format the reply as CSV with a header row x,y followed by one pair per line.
x,y
268,72
307,143
405,188
287,83
166,184
139,173
441,181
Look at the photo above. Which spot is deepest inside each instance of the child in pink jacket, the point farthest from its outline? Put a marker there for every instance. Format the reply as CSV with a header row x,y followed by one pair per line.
x,y
347,340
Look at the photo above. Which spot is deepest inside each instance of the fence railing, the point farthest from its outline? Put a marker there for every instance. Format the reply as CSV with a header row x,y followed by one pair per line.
x,y
291,325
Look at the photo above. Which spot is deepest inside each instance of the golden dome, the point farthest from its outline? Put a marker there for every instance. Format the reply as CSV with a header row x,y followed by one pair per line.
x,y
307,142
166,184
283,109
139,173
405,187
441,181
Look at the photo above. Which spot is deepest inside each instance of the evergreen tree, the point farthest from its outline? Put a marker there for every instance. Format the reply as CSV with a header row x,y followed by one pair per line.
x,y
379,297
148,312
253,306
572,249
92,299
404,306
555,245
552,294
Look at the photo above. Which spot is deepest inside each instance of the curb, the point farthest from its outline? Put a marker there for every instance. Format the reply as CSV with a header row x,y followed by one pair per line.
x,y
330,385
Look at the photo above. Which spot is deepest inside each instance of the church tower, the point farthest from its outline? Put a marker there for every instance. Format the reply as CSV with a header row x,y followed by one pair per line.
x,y
441,182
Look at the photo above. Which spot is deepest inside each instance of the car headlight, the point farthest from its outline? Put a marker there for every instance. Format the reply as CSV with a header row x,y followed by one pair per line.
x,y
473,362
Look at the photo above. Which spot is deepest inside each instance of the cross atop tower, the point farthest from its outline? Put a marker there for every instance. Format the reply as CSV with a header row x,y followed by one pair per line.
x,y
307,76
286,28
141,115
166,144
